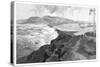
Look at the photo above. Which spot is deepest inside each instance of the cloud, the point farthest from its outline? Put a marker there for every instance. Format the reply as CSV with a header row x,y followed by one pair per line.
x,y
24,11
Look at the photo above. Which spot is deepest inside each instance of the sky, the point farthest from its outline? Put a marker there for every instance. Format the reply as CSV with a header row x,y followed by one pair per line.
x,y
24,11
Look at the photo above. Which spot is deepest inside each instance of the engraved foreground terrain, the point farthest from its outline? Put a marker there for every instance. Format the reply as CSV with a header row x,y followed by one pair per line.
x,y
51,38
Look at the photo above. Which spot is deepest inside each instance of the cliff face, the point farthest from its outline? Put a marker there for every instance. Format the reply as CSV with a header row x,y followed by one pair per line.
x,y
64,48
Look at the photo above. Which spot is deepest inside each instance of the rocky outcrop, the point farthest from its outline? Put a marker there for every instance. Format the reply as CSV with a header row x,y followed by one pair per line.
x,y
64,48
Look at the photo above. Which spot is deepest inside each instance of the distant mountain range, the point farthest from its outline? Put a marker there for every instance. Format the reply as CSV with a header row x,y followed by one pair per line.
x,y
50,20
